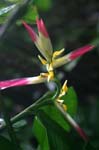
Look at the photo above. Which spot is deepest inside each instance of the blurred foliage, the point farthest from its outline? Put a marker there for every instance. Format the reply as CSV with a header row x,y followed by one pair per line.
x,y
43,5
5,144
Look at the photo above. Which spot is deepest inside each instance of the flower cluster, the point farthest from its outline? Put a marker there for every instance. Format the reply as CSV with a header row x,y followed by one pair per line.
x,y
51,59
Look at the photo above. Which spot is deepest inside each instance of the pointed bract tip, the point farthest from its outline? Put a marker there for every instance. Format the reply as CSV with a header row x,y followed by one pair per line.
x,y
31,32
41,27
80,51
82,134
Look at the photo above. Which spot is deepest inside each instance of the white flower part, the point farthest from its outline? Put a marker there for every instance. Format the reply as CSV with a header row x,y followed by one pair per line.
x,y
2,122
36,80
46,47
61,61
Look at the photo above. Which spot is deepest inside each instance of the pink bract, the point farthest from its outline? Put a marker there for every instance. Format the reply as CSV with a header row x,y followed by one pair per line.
x,y
31,32
80,51
41,27
14,82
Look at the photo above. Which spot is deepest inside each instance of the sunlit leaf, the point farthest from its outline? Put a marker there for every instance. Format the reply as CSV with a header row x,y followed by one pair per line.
x,y
13,1
4,12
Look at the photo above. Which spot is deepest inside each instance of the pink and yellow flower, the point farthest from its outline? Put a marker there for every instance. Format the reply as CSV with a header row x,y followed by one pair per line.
x,y
50,59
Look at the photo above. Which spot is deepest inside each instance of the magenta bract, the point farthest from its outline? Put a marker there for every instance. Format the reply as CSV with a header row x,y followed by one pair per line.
x,y
80,51
14,82
31,32
41,27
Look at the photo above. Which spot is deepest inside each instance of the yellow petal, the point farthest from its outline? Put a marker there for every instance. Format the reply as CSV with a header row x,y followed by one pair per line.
x,y
50,75
44,75
60,101
43,61
64,107
49,67
57,53
61,61
63,89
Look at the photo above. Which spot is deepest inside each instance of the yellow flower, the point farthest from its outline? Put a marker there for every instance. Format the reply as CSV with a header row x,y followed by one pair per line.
x,y
63,91
49,66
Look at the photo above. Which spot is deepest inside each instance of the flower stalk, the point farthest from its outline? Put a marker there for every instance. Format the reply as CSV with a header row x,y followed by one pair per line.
x,y
30,110
72,122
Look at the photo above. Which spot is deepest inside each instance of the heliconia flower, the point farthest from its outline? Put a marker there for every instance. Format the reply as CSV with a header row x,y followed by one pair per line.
x,y
50,75
51,59
43,43
21,82
72,55
42,40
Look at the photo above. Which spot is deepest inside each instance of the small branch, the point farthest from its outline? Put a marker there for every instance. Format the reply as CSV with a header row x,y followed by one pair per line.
x,y
72,122
44,100
29,110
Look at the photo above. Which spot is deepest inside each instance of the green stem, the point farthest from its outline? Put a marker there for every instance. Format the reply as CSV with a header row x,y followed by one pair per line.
x,y
58,87
44,100
9,125
31,109
28,111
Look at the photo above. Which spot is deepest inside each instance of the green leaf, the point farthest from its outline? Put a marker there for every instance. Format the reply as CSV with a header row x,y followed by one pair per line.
x,y
51,134
40,132
4,12
6,9
30,16
54,114
70,99
43,4
5,144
